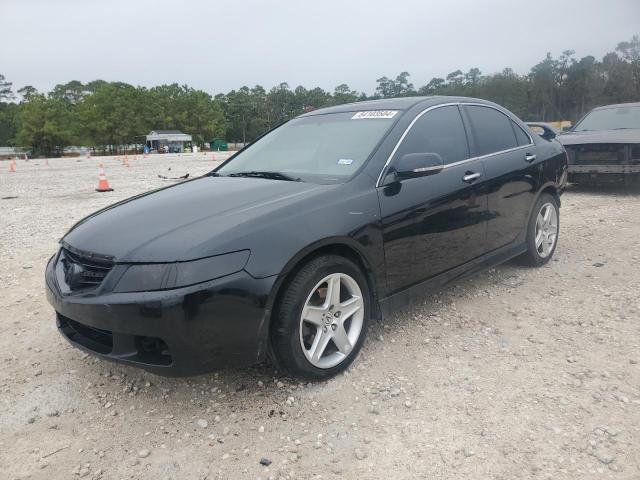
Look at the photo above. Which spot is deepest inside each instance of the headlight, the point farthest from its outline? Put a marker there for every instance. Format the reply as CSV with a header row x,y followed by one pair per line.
x,y
161,276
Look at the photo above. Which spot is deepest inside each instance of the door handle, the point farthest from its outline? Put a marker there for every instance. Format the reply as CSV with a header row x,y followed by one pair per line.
x,y
471,177
529,157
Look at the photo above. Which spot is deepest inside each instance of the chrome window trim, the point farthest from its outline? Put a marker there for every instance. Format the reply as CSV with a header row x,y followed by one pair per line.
x,y
426,169
506,114
404,134
531,142
461,162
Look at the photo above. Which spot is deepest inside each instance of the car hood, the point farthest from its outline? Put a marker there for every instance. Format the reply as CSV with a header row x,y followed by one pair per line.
x,y
191,220
600,136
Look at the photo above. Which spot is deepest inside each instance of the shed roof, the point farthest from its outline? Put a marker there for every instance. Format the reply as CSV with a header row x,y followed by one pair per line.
x,y
169,136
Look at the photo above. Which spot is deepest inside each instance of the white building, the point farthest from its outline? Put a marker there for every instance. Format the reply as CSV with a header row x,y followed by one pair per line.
x,y
174,139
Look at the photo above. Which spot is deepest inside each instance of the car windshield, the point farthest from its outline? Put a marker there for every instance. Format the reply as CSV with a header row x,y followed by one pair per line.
x,y
614,118
325,149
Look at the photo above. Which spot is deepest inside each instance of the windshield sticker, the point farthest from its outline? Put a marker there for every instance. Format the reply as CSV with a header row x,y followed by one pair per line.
x,y
345,161
375,114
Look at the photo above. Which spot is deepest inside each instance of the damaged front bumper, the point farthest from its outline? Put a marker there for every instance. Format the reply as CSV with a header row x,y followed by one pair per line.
x,y
176,332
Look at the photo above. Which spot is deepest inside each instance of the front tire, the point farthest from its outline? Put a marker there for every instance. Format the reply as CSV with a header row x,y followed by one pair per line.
x,y
542,231
321,319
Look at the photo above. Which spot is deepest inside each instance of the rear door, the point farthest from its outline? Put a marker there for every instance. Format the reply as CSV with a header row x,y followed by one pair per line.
x,y
508,154
437,222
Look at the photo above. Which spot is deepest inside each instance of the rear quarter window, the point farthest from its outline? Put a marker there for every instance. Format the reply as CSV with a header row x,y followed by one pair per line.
x,y
521,135
492,130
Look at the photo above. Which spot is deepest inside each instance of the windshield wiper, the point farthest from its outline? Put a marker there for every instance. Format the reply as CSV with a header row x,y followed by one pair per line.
x,y
269,175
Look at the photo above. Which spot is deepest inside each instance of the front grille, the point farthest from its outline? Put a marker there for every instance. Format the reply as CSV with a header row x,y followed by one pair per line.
x,y
135,348
83,271
96,339
597,154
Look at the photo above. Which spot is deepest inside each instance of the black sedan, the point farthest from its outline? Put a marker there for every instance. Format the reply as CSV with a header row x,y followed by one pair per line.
x,y
295,244
604,146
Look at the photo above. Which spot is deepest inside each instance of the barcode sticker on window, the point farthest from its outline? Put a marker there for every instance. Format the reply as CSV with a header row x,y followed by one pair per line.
x,y
375,114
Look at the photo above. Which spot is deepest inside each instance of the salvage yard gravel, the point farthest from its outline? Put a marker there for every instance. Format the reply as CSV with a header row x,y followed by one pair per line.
x,y
516,373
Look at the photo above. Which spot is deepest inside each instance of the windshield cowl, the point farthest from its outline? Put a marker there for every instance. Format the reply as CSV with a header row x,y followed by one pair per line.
x,y
268,175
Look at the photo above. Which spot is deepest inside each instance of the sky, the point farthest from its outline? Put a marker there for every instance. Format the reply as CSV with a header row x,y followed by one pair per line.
x,y
222,45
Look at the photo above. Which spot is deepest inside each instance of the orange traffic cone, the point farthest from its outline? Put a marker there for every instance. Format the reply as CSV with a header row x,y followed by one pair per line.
x,y
213,156
125,162
103,185
46,162
12,166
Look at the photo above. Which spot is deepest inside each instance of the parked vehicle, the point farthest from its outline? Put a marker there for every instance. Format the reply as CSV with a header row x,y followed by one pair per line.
x,y
604,146
292,246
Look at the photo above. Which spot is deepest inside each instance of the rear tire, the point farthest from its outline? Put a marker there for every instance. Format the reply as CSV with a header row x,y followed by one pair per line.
x,y
542,232
321,319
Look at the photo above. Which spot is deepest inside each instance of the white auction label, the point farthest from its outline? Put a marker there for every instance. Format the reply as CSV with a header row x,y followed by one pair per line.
x,y
375,114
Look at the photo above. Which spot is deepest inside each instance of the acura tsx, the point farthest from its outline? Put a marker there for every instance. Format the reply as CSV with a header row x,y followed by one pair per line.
x,y
290,248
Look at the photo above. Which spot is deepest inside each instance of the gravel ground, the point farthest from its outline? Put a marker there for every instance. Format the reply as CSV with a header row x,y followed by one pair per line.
x,y
514,374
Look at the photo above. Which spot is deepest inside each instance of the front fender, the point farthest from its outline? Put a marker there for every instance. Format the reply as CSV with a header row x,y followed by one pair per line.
x,y
372,264
346,217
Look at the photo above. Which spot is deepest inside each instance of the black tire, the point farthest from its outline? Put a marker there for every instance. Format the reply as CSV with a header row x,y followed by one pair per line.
x,y
532,257
285,332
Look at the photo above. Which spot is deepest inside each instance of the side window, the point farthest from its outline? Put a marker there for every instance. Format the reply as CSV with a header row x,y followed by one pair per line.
x,y
492,130
438,131
523,138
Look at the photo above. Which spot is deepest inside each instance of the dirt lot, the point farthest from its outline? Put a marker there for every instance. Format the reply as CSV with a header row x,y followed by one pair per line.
x,y
514,374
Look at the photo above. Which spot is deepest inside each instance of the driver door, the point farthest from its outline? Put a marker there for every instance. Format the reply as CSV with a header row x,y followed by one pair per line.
x,y
438,221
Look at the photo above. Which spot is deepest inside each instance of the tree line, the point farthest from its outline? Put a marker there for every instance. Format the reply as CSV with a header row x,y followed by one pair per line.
x,y
108,116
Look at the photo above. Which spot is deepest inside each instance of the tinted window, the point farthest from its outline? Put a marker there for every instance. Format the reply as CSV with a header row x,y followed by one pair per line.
x,y
492,130
439,131
523,138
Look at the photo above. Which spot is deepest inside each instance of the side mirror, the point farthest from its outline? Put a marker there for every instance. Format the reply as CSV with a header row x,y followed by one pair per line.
x,y
412,165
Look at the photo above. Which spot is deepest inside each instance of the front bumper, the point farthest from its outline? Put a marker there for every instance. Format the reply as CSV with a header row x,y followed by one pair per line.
x,y
603,173
604,169
178,332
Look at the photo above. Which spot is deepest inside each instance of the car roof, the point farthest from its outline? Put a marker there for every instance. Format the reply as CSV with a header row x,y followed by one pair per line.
x,y
618,105
402,103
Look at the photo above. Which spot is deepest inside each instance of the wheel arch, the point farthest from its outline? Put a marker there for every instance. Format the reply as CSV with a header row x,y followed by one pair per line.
x,y
550,188
342,246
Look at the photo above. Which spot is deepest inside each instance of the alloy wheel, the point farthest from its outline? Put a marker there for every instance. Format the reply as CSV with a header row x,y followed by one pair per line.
x,y
331,320
546,230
